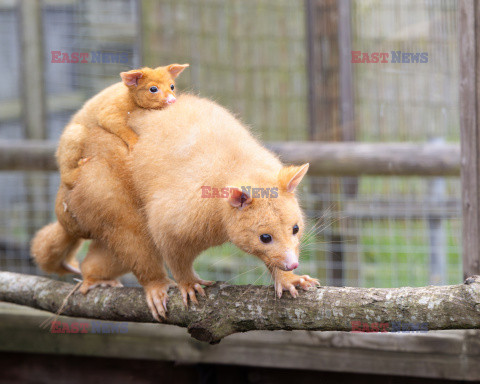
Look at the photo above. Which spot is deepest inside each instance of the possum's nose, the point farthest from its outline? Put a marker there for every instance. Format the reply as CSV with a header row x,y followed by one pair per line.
x,y
291,260
171,99
291,267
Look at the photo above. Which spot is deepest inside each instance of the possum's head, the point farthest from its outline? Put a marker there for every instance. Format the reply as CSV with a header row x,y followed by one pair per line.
x,y
153,88
269,227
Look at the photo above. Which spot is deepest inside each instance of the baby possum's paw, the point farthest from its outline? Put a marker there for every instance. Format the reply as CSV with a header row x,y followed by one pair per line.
x,y
190,288
131,141
157,297
83,160
288,281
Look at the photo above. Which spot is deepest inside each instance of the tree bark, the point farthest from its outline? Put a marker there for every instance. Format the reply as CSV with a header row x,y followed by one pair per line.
x,y
228,309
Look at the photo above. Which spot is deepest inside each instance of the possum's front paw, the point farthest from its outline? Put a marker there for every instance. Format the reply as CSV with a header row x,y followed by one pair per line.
x,y
157,297
190,288
288,281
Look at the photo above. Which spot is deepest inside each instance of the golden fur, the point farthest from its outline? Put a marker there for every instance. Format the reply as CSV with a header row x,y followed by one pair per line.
x,y
145,208
110,110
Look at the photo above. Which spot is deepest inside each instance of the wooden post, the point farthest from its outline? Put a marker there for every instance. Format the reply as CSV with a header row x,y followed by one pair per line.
x,y
347,99
33,107
324,110
331,107
33,89
469,34
436,228
347,242
323,68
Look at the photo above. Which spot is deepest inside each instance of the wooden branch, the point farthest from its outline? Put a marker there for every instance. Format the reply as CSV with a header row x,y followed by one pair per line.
x,y
326,159
230,309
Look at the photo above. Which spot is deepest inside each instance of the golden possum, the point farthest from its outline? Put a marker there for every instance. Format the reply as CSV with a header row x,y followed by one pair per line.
x,y
145,208
140,88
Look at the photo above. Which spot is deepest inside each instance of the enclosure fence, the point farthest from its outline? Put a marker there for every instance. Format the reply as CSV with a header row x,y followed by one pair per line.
x,y
284,68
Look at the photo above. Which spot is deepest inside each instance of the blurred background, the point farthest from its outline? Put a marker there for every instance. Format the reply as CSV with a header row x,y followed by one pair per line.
x,y
284,67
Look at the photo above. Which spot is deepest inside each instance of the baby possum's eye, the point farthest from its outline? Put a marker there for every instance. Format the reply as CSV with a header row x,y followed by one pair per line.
x,y
265,238
172,87
295,229
153,89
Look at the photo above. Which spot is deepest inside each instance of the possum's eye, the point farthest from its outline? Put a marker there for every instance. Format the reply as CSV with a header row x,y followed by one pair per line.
x,y
265,238
172,87
153,89
295,229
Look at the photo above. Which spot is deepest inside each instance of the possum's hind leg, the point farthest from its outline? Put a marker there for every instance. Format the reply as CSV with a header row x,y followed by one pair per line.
x,y
100,268
118,220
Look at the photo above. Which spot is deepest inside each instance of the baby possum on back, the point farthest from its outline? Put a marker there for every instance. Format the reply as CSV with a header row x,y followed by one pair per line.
x,y
145,88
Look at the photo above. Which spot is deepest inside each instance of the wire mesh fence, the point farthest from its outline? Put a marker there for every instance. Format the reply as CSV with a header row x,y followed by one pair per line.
x,y
251,56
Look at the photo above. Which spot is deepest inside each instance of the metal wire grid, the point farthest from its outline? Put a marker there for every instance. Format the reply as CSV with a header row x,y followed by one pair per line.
x,y
258,50
248,55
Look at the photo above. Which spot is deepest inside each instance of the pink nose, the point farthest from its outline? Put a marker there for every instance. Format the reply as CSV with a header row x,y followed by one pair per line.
x,y
292,266
171,99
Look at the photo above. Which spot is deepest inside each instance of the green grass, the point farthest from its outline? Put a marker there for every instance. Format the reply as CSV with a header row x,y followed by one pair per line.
x,y
396,253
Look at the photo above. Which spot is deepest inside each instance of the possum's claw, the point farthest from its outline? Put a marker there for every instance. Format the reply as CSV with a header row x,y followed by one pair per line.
x,y
309,282
72,267
157,298
199,289
189,290
288,281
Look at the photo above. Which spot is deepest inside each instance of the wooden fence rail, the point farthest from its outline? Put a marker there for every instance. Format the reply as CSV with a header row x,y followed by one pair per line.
x,y
326,159
27,155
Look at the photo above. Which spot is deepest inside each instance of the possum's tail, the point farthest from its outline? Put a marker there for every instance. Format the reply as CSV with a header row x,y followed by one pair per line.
x,y
54,249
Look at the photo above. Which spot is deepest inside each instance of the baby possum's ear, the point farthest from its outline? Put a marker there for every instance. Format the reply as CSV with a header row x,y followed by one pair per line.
x,y
238,198
131,77
290,177
176,69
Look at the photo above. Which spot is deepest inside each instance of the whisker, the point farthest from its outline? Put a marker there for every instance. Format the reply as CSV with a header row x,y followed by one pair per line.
x,y
236,253
321,229
254,282
316,227
314,244
243,273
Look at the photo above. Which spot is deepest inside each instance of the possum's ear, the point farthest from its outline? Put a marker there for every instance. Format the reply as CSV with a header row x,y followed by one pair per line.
x,y
131,77
290,177
176,69
238,198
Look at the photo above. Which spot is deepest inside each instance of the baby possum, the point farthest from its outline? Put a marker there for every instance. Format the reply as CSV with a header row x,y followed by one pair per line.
x,y
145,88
